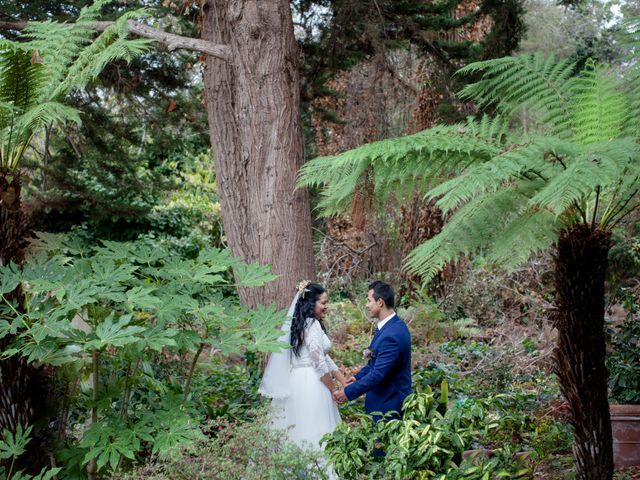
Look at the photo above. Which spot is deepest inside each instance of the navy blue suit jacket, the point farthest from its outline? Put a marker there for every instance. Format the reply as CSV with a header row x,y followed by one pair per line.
x,y
386,379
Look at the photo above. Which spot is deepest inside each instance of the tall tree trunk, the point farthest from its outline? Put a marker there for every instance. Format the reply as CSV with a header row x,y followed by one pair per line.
x,y
254,120
581,264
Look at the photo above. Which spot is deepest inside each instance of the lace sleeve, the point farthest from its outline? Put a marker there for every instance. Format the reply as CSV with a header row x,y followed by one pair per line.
x,y
313,341
332,365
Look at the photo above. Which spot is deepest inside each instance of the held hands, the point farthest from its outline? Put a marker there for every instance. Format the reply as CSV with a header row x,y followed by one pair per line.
x,y
339,397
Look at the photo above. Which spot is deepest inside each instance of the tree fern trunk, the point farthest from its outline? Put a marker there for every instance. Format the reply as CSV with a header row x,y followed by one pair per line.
x,y
16,406
581,264
13,223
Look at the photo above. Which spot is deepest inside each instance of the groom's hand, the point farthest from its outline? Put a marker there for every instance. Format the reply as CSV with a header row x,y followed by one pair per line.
x,y
339,397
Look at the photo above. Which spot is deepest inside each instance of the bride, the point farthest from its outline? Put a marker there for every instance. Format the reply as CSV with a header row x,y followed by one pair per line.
x,y
301,379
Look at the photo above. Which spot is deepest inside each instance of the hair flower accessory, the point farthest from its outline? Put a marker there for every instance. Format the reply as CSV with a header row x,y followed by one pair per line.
x,y
302,287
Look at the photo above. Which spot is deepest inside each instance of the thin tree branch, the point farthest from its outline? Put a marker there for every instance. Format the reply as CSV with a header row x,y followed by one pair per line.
x,y
169,40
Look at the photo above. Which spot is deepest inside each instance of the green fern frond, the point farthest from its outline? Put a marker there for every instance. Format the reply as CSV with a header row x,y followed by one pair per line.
x,y
595,166
400,164
538,83
59,45
523,161
599,105
470,229
93,12
21,81
533,232
46,113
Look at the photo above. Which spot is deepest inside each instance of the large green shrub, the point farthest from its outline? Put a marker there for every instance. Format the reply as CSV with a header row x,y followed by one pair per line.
x,y
111,318
428,442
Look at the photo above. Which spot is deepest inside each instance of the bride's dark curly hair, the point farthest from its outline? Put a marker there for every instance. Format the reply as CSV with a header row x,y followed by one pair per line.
x,y
304,308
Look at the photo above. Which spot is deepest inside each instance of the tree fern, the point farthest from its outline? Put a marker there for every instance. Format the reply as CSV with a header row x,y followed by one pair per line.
x,y
513,191
36,75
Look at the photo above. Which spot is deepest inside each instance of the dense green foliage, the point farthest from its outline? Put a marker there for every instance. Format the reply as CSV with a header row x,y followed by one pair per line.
x,y
112,312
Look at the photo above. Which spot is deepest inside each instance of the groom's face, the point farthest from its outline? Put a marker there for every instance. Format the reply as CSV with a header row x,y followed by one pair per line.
x,y
373,306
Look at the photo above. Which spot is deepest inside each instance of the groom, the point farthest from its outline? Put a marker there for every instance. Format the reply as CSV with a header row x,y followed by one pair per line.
x,y
386,379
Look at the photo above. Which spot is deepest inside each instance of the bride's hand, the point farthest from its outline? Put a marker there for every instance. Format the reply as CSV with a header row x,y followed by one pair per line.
x,y
350,380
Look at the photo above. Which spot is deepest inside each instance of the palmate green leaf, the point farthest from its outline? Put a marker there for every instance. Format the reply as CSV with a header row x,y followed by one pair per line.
x,y
110,334
108,445
49,352
216,258
188,340
5,328
206,274
105,270
175,269
159,337
13,445
118,251
229,340
78,295
175,431
46,474
10,278
45,326
141,298
47,242
264,329
173,306
148,254
253,275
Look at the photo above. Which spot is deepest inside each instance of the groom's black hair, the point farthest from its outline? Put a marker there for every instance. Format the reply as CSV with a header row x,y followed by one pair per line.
x,y
382,290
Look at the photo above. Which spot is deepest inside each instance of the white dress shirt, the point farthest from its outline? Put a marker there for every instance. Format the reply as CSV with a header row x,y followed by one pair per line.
x,y
382,323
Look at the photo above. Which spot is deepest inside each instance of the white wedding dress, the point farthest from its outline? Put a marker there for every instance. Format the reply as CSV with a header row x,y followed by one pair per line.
x,y
308,412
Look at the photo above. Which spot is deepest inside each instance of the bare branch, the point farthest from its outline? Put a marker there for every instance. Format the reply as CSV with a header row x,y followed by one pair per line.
x,y
169,40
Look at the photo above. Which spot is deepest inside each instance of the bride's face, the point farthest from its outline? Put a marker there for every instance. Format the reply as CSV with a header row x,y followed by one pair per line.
x,y
322,306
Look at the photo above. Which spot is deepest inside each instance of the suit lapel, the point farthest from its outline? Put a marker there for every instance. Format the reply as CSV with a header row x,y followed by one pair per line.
x,y
379,332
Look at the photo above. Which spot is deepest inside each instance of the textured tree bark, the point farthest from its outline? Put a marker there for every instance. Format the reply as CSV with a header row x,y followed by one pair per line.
x,y
254,120
580,268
